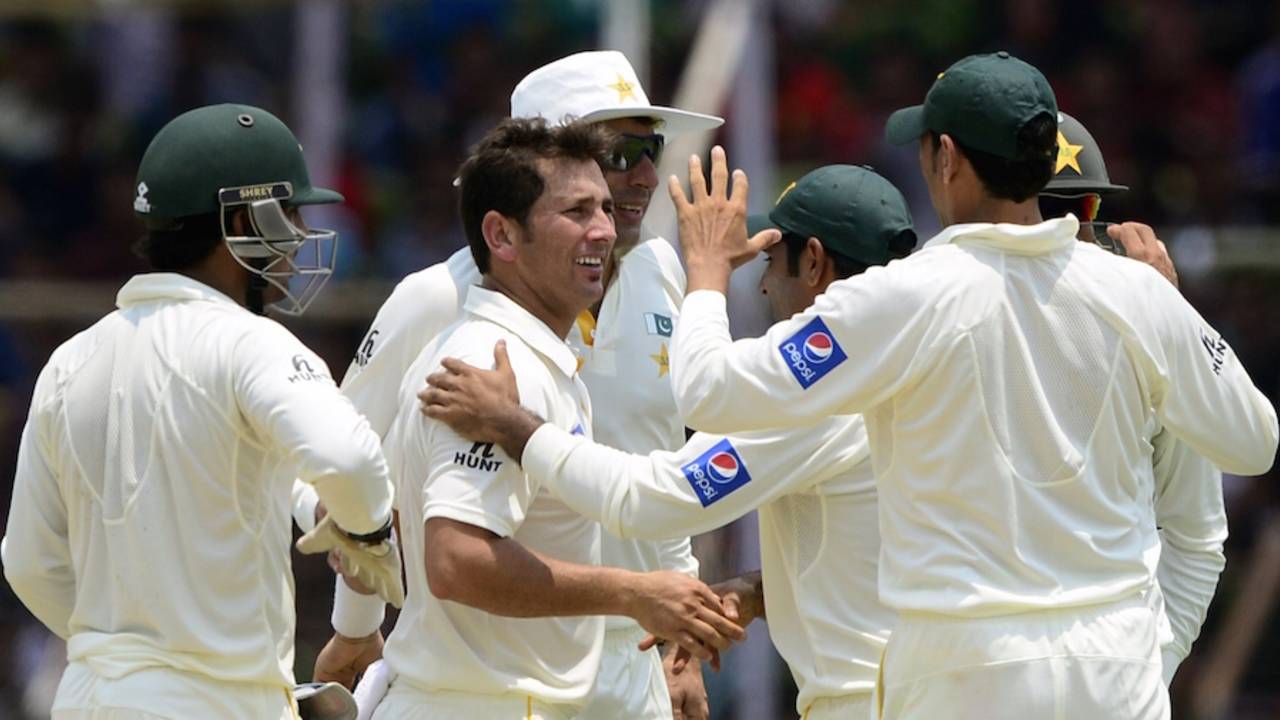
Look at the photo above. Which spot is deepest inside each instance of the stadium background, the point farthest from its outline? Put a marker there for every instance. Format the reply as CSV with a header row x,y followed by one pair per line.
x,y
1182,95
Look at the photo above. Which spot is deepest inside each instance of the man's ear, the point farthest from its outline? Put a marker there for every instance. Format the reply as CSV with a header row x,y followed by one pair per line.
x,y
948,158
237,221
813,261
500,234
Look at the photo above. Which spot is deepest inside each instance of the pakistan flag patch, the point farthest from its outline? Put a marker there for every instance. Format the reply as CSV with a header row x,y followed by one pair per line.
x,y
657,324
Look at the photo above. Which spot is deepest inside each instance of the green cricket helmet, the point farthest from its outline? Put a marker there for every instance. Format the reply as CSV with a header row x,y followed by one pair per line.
x,y
1079,168
224,158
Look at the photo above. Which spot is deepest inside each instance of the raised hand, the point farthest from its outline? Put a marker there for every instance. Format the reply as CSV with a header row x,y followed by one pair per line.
x,y
713,226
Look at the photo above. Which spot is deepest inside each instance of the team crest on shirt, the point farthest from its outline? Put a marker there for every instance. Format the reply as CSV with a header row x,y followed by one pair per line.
x,y
716,473
656,324
812,352
304,372
479,457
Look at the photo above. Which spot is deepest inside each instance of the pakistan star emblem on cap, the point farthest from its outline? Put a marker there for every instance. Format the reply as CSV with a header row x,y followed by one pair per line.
x,y
624,88
140,203
1067,155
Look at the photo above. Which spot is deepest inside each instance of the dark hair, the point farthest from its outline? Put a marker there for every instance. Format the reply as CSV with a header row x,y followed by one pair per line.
x,y
502,174
180,245
1031,168
844,267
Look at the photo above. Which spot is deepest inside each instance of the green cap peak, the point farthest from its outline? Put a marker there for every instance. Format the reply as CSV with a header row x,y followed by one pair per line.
x,y
982,101
852,210
205,150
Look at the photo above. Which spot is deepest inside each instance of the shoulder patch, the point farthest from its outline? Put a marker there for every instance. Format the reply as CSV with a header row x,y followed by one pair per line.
x,y
479,457
1216,347
811,352
716,473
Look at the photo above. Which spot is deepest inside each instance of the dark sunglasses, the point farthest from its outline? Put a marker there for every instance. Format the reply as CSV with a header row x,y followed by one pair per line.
x,y
630,149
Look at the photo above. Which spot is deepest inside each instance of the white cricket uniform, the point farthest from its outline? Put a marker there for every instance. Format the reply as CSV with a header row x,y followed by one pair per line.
x,y
624,354
150,522
625,368
819,543
1011,379
1192,522
447,649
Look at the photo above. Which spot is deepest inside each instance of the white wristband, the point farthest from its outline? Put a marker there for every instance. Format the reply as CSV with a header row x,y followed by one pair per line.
x,y
355,615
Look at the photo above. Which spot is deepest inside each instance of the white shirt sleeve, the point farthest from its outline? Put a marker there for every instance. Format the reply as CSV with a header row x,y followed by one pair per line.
x,y
35,550
287,395
862,337
1193,527
704,485
1206,398
478,483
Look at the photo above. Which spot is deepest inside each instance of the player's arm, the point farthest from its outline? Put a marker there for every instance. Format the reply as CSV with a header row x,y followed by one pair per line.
x,y
285,392
35,550
1202,392
474,566
1193,527
706,484
471,515
856,345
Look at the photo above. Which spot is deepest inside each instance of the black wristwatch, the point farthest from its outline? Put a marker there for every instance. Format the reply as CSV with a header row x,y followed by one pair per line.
x,y
373,538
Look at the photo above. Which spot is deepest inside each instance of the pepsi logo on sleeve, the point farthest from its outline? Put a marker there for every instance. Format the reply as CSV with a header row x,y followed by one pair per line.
x,y
812,352
716,473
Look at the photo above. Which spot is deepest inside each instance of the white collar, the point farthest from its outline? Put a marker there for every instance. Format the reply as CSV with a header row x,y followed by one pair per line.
x,y
502,310
1045,237
146,287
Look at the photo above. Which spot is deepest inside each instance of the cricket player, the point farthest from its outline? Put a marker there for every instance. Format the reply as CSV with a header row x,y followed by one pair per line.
x,y
1011,379
150,517
1189,513
622,342
814,486
504,616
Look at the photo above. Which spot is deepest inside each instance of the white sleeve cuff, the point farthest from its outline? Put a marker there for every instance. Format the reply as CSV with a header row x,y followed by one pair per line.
x,y
355,615
704,299
305,500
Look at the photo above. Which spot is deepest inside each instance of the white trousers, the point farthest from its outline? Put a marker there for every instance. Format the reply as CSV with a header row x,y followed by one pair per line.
x,y
1099,662
165,694
845,707
405,702
630,684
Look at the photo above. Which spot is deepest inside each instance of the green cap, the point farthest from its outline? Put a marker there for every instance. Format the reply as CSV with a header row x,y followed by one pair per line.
x,y
853,211
759,222
982,101
220,146
1079,168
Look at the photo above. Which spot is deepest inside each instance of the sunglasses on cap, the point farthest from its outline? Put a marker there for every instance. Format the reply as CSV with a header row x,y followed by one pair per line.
x,y
629,149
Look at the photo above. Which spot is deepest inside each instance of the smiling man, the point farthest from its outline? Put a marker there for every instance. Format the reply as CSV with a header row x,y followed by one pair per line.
x,y
621,340
504,615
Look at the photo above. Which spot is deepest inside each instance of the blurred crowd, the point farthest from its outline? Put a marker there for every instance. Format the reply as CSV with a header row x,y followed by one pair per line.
x,y
1183,96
